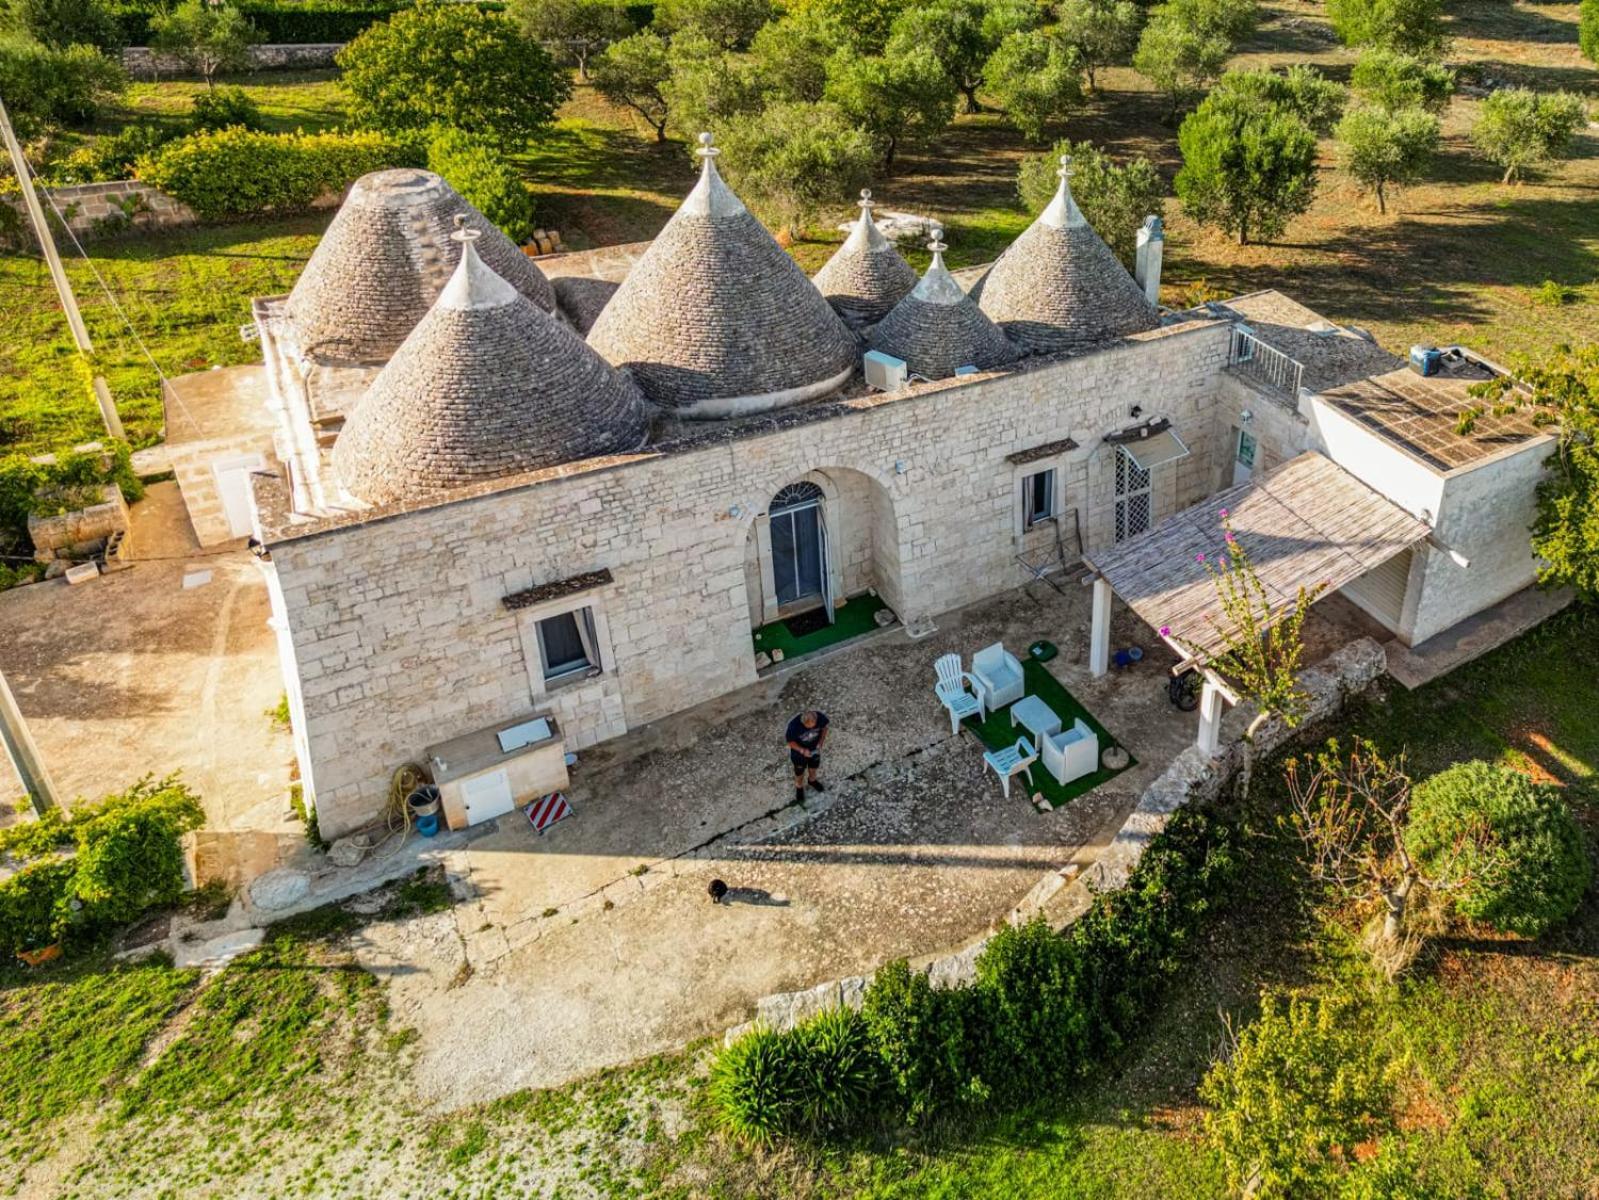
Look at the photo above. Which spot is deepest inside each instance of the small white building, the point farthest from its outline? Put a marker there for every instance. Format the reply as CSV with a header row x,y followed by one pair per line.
x,y
475,516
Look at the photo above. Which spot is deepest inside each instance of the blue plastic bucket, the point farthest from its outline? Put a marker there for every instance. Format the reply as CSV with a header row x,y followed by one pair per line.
x,y
424,807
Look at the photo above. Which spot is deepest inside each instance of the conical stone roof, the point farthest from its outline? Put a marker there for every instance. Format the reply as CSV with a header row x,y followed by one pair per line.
x,y
866,276
938,328
1059,287
384,260
715,320
487,385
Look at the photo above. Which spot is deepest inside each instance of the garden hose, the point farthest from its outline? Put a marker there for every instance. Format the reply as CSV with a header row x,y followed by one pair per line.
x,y
396,812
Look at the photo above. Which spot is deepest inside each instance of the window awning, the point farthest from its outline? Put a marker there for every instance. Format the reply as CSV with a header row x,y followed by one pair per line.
x,y
1156,449
1305,523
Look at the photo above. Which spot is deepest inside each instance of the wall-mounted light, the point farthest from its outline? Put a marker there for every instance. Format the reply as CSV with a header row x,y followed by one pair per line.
x,y
1138,411
1246,416
736,511
900,467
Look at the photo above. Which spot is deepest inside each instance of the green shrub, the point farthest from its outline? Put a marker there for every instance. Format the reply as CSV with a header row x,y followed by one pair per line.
x,y
29,489
130,856
225,108
242,172
1512,841
1300,1090
1588,29
63,23
1114,197
473,167
1554,294
920,1034
33,904
45,88
1524,131
110,157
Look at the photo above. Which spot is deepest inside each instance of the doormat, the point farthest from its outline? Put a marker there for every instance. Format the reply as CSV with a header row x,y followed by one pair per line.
x,y
808,622
547,810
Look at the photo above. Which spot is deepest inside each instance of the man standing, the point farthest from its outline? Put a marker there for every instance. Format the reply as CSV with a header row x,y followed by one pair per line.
x,y
806,733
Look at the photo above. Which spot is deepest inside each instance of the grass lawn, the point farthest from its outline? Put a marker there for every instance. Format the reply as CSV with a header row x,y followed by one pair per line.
x,y
311,101
856,617
997,731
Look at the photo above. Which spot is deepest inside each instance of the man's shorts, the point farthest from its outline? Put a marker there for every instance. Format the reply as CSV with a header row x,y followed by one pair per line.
x,y
804,762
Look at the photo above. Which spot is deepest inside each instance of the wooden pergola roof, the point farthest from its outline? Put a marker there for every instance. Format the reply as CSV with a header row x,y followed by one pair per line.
x,y
1305,522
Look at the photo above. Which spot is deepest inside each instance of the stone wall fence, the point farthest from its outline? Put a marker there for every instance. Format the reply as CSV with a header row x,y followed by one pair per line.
x,y
97,210
1061,897
142,62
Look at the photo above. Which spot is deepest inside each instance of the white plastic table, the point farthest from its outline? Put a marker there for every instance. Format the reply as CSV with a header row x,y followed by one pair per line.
x,y
1035,716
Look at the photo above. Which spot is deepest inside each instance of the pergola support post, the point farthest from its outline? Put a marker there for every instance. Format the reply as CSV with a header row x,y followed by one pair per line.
x,y
1211,701
1099,634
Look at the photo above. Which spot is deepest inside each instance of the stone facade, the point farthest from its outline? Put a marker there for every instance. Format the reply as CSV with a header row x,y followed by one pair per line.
x,y
98,210
399,635
142,62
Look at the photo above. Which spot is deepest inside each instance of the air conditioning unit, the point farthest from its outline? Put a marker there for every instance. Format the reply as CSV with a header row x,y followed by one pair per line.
x,y
884,372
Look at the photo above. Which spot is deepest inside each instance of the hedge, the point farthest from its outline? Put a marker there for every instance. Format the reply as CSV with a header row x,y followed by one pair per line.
x,y
483,177
1044,1008
242,172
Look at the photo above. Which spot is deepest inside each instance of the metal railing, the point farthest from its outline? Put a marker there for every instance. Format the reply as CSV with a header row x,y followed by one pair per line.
x,y
1250,356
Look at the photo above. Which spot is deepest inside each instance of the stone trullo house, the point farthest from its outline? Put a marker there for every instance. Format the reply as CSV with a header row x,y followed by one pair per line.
x,y
473,516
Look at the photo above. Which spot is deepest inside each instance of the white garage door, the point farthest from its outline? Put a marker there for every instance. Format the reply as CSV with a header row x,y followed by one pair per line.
x,y
1381,591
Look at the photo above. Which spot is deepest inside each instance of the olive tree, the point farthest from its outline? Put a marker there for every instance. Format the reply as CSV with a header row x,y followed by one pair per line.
x,y
1103,32
1387,148
792,54
1248,168
1521,130
1036,78
573,31
1180,59
633,73
1301,90
1414,26
729,24
898,99
962,36
1394,80
456,66
207,38
62,23
794,160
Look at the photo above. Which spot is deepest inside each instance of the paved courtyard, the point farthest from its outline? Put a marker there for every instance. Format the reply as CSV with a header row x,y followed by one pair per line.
x,y
596,943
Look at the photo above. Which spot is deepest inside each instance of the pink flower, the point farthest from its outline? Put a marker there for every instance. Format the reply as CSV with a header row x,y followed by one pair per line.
x,y
1223,562
1224,514
1230,537
1165,631
1199,558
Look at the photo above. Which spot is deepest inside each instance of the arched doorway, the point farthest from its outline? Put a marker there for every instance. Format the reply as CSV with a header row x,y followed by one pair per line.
x,y
798,527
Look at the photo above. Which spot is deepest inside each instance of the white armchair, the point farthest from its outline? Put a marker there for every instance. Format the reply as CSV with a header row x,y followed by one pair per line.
x,y
952,693
998,676
1071,753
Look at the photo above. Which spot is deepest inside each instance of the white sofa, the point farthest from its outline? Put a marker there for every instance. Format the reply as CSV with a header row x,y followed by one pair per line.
x,y
1071,753
998,676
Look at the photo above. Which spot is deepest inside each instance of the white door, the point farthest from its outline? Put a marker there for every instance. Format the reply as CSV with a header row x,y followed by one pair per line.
x,y
487,796
233,487
1243,458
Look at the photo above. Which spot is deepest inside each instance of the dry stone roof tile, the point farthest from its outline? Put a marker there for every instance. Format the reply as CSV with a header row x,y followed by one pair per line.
x,y
384,260
487,385
866,276
716,319
938,328
1059,287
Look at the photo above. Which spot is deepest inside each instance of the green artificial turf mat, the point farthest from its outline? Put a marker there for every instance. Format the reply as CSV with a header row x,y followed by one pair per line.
x,y
858,616
997,732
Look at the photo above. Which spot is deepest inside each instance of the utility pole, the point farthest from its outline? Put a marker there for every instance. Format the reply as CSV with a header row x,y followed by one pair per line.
x,y
47,243
23,753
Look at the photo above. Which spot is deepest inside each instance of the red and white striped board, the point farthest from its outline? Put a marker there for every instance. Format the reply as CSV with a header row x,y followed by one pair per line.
x,y
547,810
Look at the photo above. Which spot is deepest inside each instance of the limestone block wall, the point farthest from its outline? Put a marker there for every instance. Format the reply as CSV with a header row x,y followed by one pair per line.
x,y
96,210
82,531
402,638
192,465
142,62
1280,431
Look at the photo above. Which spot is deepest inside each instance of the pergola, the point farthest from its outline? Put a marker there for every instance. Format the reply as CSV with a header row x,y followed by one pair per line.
x,y
1305,523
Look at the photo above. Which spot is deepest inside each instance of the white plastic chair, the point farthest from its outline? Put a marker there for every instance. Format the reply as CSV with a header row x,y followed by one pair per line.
x,y
952,693
998,676
1013,760
1072,753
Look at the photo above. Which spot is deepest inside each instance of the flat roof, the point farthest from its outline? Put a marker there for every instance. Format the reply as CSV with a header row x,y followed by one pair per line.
x,y
1421,415
1304,523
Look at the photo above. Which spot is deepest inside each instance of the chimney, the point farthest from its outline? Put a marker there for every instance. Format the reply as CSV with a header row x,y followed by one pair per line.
x,y
1146,268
